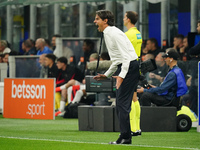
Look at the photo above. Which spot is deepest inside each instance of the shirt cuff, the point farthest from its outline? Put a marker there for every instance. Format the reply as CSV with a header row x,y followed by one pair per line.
x,y
122,74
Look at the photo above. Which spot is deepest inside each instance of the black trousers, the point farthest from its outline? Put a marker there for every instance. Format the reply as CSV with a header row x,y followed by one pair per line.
x,y
147,98
124,97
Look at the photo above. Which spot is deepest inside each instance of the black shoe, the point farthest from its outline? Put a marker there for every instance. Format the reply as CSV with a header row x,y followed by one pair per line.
x,y
137,133
122,141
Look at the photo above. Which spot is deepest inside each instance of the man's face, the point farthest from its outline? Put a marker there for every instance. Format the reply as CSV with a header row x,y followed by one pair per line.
x,y
149,45
42,60
38,45
198,28
53,41
85,47
125,19
100,23
177,42
47,61
60,65
185,42
159,60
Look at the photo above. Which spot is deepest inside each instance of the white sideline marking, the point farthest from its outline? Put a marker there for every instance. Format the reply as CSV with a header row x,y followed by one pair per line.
x,y
68,141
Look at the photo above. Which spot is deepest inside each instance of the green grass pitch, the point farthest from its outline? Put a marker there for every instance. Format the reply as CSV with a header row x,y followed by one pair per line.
x,y
25,134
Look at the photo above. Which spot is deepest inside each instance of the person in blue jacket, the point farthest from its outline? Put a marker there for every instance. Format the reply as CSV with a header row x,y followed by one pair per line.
x,y
40,46
174,84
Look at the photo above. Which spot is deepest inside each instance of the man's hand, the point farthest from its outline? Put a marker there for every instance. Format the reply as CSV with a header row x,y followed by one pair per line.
x,y
119,81
151,75
99,77
141,90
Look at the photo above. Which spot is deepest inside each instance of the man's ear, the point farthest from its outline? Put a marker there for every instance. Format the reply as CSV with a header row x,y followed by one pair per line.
x,y
105,20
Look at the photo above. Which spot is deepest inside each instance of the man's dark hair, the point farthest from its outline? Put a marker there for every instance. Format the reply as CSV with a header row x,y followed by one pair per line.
x,y
28,43
51,56
62,60
153,40
198,21
105,14
133,16
179,36
32,42
47,41
56,35
89,43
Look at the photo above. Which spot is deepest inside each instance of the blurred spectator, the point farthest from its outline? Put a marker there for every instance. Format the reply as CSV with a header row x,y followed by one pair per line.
x,y
65,74
68,86
28,47
184,50
50,63
65,51
152,47
43,70
4,47
82,91
40,46
88,49
144,51
157,76
53,41
178,42
148,56
32,42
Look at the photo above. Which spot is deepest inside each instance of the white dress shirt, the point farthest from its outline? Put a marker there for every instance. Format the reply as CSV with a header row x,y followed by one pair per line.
x,y
120,49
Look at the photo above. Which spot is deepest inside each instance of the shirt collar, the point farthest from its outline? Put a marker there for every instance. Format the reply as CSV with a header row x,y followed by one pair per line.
x,y
106,29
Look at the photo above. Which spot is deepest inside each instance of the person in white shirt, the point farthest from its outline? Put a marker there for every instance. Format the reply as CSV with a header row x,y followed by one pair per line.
x,y
4,47
124,66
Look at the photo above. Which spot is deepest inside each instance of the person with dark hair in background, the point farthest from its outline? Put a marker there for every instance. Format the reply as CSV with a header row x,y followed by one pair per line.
x,y
66,73
124,65
53,40
152,46
50,63
28,48
184,50
130,19
178,42
88,49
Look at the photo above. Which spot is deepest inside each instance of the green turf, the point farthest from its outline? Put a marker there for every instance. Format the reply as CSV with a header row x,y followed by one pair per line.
x,y
62,133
